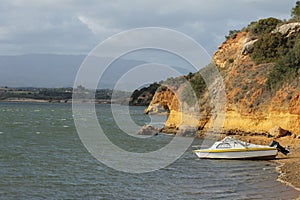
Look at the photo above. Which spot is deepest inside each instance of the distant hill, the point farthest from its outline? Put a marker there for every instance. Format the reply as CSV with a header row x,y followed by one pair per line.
x,y
39,70
56,71
51,70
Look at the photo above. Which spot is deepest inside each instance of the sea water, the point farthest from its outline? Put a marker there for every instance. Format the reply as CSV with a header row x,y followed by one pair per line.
x,y
42,157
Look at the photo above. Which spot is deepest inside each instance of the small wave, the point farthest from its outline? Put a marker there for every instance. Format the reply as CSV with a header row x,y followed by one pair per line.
x,y
17,123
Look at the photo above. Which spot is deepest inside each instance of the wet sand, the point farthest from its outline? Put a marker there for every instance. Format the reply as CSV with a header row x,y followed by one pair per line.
x,y
289,168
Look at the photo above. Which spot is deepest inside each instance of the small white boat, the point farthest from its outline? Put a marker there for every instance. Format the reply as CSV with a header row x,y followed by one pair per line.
x,y
230,148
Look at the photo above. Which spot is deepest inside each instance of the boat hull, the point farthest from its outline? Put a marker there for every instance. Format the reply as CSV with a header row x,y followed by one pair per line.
x,y
243,154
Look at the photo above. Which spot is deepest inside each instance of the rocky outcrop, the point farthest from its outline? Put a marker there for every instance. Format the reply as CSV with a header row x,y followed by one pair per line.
x,y
163,101
248,107
230,50
288,29
248,47
181,118
149,130
278,132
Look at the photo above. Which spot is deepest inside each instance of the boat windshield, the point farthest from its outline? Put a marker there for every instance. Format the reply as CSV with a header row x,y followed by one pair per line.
x,y
232,140
224,146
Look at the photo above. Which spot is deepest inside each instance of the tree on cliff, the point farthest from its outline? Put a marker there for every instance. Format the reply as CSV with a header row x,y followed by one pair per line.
x,y
296,11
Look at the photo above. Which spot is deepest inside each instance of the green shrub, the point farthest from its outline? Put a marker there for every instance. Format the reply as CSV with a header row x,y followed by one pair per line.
x,y
151,89
232,34
269,48
295,13
286,69
263,26
161,88
198,84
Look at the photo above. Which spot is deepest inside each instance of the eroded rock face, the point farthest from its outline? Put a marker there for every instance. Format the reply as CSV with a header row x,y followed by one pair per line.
x,y
248,108
163,102
230,50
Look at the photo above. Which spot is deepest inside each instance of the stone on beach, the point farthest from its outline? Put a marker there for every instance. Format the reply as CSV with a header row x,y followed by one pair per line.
x,y
278,132
149,130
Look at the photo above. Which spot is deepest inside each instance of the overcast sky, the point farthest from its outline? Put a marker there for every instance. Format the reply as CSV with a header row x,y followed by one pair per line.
x,y
77,26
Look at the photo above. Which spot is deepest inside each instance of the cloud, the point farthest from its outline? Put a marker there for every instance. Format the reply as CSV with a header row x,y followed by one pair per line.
x,y
98,26
74,26
4,33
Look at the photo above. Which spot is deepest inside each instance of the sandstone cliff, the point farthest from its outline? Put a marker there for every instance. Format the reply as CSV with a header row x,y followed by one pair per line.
x,y
251,106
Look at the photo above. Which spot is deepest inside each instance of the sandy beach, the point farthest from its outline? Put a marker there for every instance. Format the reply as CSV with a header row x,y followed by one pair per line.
x,y
289,167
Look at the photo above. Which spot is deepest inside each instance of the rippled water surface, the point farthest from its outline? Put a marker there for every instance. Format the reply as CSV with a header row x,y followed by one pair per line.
x,y
42,157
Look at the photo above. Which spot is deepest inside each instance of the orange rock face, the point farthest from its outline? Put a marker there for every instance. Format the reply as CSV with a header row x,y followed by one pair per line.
x,y
249,106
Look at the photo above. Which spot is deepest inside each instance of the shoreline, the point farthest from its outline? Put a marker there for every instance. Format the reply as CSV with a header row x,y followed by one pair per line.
x,y
22,100
281,177
63,101
289,166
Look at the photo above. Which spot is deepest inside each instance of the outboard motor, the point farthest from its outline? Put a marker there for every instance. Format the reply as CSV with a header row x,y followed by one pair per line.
x,y
279,147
